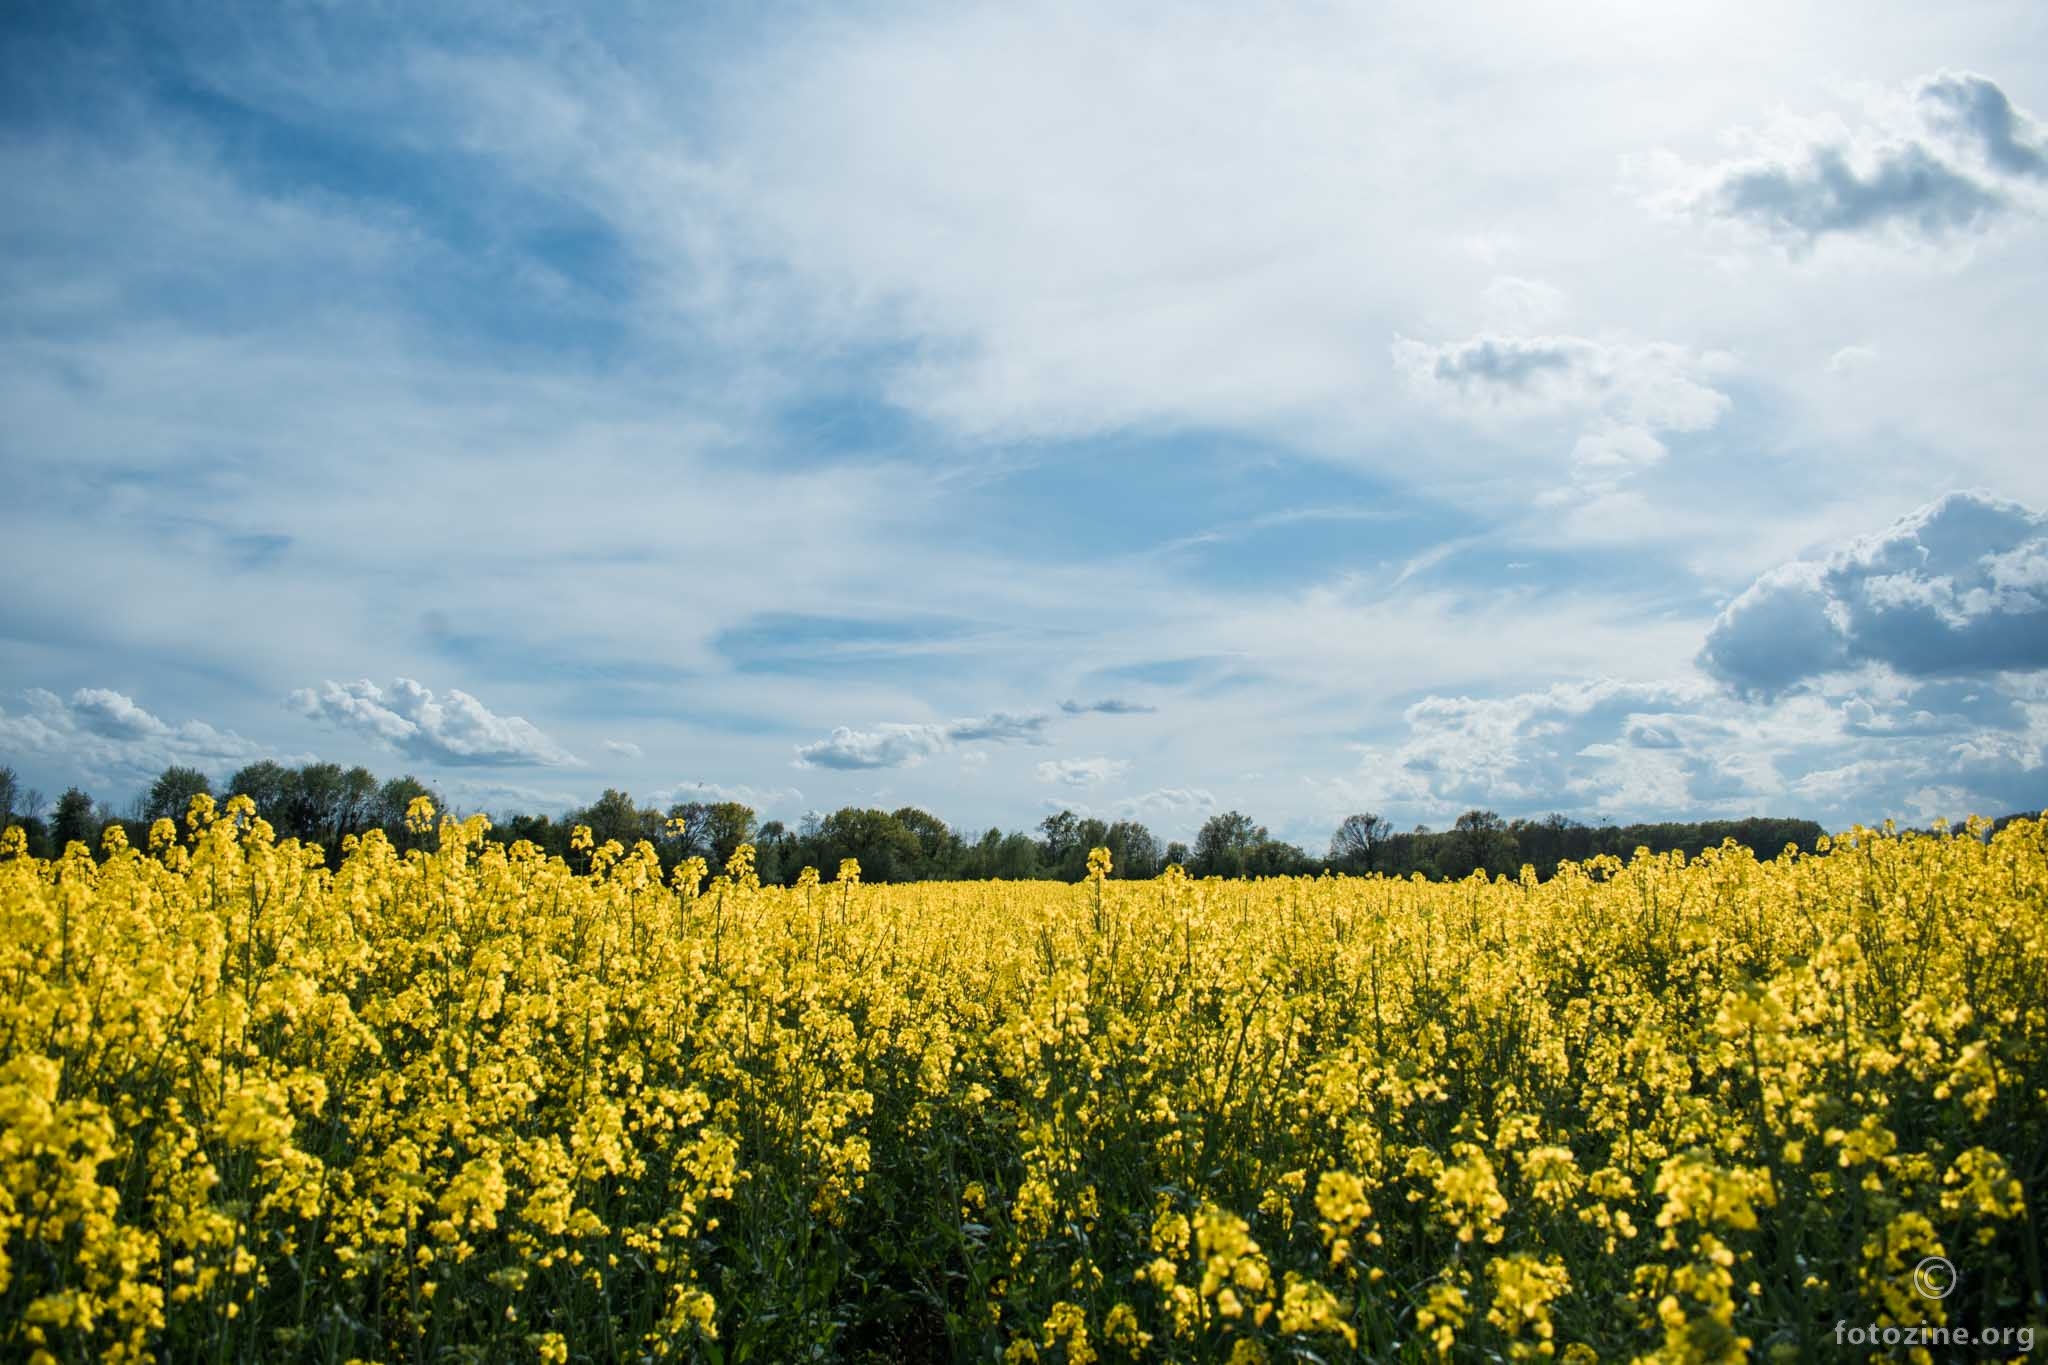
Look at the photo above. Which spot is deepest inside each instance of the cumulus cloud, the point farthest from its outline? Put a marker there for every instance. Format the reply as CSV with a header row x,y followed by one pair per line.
x,y
1945,161
905,745
104,735
459,731
1082,772
1108,706
624,748
1959,587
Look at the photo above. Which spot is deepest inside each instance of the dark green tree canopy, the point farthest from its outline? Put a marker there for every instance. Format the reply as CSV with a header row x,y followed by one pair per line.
x,y
323,803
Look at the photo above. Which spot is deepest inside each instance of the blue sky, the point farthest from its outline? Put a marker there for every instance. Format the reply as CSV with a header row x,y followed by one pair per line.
x,y
1152,411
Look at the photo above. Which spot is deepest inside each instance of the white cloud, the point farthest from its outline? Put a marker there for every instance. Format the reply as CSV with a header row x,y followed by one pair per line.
x,y
1520,306
1973,109
1000,727
1682,749
102,735
1653,384
1622,393
1172,813
1205,241
460,731
1107,706
506,798
1083,772
1520,751
1959,587
1616,447
898,745
623,748
109,713
765,800
1946,162
1178,803
885,746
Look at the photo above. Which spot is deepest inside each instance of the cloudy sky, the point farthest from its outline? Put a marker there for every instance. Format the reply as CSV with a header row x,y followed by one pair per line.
x,y
1149,409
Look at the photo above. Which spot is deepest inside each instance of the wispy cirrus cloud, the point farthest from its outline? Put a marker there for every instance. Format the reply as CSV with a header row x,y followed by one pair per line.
x,y
459,731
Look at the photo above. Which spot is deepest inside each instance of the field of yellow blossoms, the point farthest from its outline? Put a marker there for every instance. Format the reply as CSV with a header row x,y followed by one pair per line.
x,y
467,1103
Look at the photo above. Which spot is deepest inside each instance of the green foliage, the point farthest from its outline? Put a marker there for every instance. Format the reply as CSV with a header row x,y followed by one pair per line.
x,y
321,803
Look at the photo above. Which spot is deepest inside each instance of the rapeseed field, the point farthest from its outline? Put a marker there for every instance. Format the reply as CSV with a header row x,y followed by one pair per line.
x,y
470,1103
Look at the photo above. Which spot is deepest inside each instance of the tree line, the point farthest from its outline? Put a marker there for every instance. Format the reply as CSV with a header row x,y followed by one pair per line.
x,y
323,803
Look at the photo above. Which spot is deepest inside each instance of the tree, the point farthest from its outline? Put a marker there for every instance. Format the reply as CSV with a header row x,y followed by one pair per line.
x,y
1223,844
549,836
723,827
73,820
1060,835
171,794
1176,854
1480,842
393,799
1276,858
977,860
939,849
1133,852
1356,845
1016,858
355,807
10,792
887,851
263,782
1074,837
1546,842
615,816
775,853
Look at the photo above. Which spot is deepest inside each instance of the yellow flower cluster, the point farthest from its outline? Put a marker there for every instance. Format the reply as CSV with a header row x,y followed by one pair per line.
x,y
473,1104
